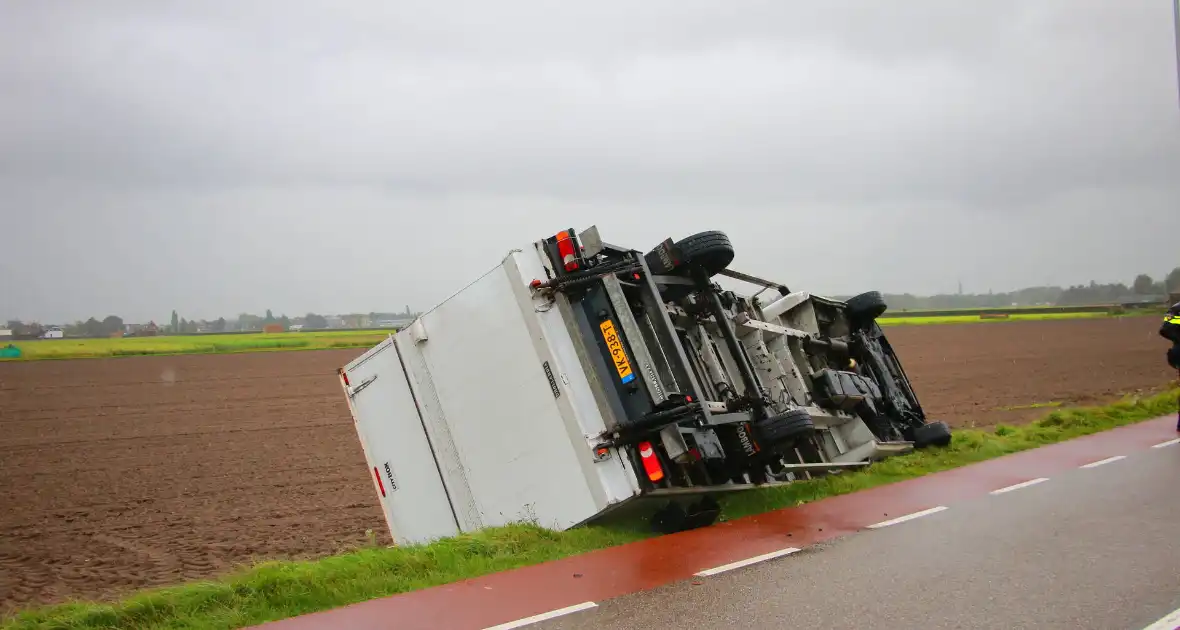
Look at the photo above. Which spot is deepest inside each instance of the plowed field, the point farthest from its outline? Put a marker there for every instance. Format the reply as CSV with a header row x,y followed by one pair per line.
x,y
123,473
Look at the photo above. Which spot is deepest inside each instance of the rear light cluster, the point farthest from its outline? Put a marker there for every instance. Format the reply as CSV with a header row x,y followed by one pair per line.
x,y
651,463
565,248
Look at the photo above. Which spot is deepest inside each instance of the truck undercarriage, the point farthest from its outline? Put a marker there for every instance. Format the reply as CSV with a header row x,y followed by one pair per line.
x,y
707,387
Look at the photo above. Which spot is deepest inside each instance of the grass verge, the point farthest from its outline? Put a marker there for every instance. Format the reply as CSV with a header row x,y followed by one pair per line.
x,y
923,320
279,589
194,344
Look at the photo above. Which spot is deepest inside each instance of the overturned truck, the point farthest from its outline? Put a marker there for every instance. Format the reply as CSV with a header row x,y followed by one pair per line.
x,y
578,377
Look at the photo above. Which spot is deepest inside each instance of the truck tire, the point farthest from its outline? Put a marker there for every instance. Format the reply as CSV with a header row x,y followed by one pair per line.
x,y
702,513
932,434
669,519
789,427
711,251
866,307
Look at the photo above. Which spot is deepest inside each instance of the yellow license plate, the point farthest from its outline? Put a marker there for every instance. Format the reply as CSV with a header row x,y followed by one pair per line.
x,y
615,345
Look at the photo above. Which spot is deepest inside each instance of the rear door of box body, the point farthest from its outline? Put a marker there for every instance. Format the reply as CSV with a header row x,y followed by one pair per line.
x,y
400,458
499,406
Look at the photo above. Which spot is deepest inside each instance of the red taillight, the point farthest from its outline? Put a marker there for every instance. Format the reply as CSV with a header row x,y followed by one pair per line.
x,y
651,463
344,375
380,484
565,248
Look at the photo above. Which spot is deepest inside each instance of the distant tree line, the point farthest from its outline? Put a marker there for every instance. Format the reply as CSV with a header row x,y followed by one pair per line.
x,y
21,330
1143,286
178,324
92,327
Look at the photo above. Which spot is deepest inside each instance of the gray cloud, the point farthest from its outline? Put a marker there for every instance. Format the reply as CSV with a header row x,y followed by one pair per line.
x,y
216,157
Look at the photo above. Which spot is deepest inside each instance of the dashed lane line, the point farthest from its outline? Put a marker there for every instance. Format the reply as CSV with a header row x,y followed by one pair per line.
x,y
1103,462
1018,486
1169,622
546,616
747,562
908,517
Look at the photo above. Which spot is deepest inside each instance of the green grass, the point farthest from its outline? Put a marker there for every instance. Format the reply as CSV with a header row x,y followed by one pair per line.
x,y
1039,405
918,320
195,344
1024,310
279,589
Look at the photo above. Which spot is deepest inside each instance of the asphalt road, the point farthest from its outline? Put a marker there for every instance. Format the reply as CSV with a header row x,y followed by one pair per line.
x,y
1090,548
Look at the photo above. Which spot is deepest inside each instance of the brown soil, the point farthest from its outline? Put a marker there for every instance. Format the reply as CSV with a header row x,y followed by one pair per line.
x,y
117,474
132,472
981,375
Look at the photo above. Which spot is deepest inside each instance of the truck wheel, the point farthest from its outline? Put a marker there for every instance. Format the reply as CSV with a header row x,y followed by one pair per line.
x,y
669,519
866,307
789,427
932,434
711,251
702,513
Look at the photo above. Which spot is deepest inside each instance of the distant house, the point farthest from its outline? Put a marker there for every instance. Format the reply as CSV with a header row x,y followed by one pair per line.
x,y
5,334
398,323
141,330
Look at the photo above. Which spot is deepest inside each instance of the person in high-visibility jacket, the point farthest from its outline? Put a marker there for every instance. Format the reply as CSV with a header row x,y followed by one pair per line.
x,y
1170,330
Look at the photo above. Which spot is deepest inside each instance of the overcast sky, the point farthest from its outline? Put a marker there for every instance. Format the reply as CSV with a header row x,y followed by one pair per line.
x,y
218,157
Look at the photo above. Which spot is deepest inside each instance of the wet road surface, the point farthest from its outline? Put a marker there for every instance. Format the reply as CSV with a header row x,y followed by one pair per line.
x,y
1088,548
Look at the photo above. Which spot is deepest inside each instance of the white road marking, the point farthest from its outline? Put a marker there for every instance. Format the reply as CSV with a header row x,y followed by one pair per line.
x,y
908,517
747,562
1170,622
1104,461
1017,486
553,614
1168,443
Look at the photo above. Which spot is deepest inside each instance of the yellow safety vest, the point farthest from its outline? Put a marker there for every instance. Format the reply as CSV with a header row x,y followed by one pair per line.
x,y
1172,319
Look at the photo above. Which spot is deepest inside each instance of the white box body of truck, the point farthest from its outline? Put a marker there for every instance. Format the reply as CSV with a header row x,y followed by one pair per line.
x,y
479,414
